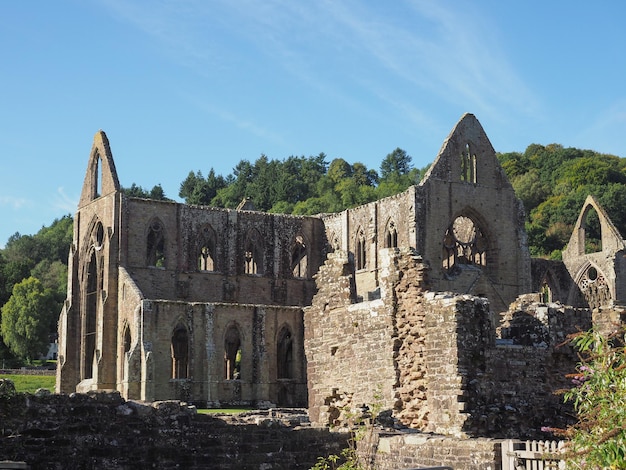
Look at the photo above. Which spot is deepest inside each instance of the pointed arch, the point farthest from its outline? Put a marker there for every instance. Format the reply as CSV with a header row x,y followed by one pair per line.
x,y
155,244
299,257
101,177
391,234
464,243
594,231
206,252
284,353
180,352
90,317
468,165
253,252
593,286
232,352
360,249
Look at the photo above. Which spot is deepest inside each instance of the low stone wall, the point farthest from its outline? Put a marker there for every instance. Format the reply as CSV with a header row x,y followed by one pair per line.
x,y
27,371
103,431
418,450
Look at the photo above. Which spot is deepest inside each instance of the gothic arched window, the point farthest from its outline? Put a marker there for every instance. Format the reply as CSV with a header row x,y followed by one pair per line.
x,y
155,244
180,353
464,244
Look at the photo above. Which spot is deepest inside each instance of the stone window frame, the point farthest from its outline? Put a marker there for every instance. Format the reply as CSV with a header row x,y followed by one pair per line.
x,y
299,257
156,251
285,364
391,234
253,253
593,286
206,252
360,249
468,165
469,249
233,351
180,349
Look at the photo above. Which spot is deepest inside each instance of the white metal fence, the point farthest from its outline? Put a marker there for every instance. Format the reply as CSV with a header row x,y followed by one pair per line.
x,y
532,455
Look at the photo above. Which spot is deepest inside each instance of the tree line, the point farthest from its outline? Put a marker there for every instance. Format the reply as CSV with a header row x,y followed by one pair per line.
x,y
552,182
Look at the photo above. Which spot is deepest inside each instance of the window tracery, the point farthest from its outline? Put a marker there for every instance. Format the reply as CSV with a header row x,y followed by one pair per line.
x,y
253,253
594,288
391,235
463,244
206,253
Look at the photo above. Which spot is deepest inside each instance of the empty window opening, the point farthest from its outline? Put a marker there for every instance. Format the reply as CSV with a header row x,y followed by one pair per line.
x,y
463,244
391,236
285,365
205,260
127,340
99,239
156,245
180,353
89,321
468,165
592,231
299,258
206,253
253,253
97,184
232,354
545,294
361,252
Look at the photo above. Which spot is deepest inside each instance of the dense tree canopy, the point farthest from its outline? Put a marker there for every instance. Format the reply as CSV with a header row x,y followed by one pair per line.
x,y
553,183
28,318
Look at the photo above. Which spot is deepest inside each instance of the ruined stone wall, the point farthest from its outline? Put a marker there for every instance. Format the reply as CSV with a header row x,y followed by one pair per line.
x,y
92,257
436,355
207,325
103,431
467,180
349,346
417,450
388,222
187,227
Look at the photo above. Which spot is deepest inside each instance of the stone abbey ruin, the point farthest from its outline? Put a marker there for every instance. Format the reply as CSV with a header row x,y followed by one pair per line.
x,y
427,302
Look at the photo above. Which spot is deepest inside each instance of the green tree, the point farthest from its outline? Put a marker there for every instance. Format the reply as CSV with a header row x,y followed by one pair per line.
x,y
155,193
598,439
26,319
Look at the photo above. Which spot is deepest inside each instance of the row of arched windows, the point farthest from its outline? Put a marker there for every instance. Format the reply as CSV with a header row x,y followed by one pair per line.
x,y
180,347
204,257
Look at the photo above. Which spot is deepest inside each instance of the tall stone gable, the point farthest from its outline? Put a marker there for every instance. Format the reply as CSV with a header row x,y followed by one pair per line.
x,y
470,223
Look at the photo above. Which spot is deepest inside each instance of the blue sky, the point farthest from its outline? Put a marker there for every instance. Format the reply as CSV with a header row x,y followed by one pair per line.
x,y
198,84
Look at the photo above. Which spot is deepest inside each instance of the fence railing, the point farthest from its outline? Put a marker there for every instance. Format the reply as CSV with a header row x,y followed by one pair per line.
x,y
532,455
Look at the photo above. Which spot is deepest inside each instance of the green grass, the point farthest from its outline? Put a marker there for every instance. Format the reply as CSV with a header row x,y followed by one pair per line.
x,y
30,383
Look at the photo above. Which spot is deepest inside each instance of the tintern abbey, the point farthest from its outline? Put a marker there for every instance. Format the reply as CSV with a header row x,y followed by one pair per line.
x,y
427,302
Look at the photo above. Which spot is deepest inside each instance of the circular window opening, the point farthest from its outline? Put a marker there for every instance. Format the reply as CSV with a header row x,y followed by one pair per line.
x,y
592,273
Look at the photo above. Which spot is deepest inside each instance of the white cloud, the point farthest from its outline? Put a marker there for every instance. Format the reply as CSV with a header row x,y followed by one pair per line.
x,y
64,202
14,202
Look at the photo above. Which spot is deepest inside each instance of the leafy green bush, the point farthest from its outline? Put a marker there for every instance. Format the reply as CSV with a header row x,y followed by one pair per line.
x,y
598,439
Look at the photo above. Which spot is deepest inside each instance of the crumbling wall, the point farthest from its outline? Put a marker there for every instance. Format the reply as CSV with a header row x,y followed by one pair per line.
x,y
101,430
433,360
349,346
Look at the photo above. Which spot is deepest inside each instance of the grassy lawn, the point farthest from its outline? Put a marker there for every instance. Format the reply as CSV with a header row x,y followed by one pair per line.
x,y
30,383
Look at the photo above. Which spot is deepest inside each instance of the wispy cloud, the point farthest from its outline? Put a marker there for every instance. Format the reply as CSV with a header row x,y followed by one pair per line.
x,y
434,48
15,203
62,201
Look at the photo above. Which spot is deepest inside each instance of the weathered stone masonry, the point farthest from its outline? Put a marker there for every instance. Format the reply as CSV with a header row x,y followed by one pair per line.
x,y
426,303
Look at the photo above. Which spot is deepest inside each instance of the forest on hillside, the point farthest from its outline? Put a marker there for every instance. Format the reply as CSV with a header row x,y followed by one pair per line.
x,y
552,182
